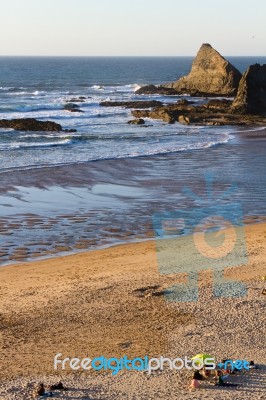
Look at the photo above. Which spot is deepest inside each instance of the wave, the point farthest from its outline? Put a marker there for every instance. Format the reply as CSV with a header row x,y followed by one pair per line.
x,y
12,88
138,154
85,157
245,129
116,88
28,108
136,87
97,87
23,145
45,136
5,88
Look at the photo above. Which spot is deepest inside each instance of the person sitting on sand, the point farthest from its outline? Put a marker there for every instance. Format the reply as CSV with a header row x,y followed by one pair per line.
x,y
41,391
195,382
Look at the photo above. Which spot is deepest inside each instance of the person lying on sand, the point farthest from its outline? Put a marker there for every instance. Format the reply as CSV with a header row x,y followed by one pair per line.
x,y
195,382
41,391
220,380
58,386
206,373
252,365
197,375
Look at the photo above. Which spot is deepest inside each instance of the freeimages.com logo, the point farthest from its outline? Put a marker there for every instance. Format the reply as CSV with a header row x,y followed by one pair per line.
x,y
209,236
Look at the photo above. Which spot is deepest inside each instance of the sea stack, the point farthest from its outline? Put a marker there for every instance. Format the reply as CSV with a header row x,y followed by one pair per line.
x,y
211,74
251,95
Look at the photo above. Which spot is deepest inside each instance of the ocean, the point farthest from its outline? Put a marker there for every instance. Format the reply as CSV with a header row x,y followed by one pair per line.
x,y
68,192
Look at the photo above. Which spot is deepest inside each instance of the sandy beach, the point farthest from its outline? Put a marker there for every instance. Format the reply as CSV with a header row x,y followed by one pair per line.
x,y
132,200
111,302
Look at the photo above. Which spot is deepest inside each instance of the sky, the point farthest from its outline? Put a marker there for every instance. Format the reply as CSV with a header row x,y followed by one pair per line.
x,y
131,27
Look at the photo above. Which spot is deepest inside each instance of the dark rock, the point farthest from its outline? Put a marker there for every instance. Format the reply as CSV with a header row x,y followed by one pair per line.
x,y
138,121
132,104
163,114
141,113
69,130
159,113
75,100
72,107
251,95
75,110
30,124
168,113
219,104
152,89
184,102
199,115
211,74
183,119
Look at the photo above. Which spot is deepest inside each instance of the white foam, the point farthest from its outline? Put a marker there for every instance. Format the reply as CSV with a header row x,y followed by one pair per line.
x,y
21,145
97,87
136,87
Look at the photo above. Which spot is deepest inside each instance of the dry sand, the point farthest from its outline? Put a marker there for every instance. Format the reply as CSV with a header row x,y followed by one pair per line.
x,y
110,302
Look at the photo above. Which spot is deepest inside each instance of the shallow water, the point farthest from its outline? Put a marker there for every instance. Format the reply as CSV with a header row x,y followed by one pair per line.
x,y
107,202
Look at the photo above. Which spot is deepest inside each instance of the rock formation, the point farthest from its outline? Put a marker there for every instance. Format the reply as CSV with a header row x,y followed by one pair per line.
x,y
138,121
72,107
211,74
152,89
215,112
251,95
132,104
31,124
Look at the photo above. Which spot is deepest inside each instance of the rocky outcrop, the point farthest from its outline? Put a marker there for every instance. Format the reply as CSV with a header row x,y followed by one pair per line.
x,y
184,120
211,74
72,107
184,102
215,112
218,104
152,89
251,95
80,99
138,121
32,124
168,113
132,104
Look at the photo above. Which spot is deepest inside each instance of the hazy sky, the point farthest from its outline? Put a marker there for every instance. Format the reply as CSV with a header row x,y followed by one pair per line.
x,y
131,27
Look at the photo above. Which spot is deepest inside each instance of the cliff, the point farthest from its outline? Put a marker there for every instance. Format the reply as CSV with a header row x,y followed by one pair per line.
x,y
210,74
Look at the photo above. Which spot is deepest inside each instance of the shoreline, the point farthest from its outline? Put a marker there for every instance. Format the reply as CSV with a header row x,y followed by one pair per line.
x,y
241,131
248,221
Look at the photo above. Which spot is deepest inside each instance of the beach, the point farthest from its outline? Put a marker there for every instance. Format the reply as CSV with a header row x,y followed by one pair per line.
x,y
66,192
111,302
84,272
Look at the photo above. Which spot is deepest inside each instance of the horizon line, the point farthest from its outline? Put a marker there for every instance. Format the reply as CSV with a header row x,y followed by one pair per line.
x,y
116,56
